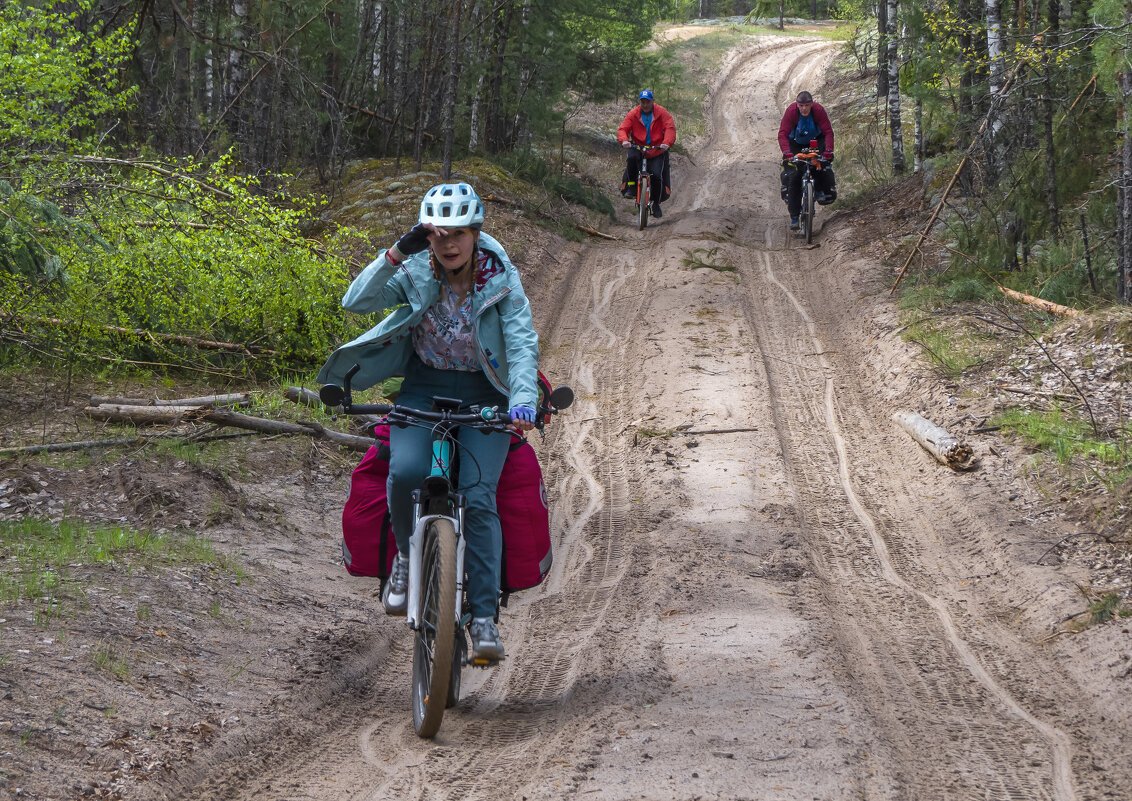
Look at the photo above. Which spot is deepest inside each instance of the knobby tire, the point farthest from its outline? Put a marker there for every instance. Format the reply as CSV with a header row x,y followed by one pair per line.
x,y
808,211
435,640
643,191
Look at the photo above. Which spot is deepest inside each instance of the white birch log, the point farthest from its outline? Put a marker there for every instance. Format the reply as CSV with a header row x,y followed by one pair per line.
x,y
943,446
231,399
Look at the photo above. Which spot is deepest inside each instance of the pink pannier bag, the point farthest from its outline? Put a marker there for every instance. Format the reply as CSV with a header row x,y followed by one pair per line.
x,y
368,545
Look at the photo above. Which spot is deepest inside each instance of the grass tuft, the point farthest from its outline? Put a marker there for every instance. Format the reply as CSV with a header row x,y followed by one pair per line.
x,y
41,561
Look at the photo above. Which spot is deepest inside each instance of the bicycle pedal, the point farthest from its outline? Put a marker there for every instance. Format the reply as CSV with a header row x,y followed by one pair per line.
x,y
484,663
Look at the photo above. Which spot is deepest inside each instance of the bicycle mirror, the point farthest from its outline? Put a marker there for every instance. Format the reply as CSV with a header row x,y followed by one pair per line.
x,y
331,395
562,397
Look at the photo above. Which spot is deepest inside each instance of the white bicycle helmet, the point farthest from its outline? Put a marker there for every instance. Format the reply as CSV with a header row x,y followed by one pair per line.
x,y
452,206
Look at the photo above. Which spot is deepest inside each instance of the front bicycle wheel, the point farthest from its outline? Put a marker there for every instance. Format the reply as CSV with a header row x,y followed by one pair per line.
x,y
643,205
435,639
808,211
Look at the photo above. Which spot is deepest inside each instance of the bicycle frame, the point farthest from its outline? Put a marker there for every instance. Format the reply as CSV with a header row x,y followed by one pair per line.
x,y
441,469
644,186
809,162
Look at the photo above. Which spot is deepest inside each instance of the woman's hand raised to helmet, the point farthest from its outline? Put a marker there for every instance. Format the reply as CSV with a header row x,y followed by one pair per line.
x,y
416,240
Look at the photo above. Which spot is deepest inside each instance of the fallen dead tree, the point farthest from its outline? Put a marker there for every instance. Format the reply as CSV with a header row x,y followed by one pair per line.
x,y
231,399
937,441
171,415
1044,305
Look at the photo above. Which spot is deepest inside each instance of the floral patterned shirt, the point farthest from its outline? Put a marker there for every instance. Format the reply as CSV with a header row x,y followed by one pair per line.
x,y
445,337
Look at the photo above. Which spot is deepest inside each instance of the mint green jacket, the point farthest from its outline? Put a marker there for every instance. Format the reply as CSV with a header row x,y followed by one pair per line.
x,y
506,341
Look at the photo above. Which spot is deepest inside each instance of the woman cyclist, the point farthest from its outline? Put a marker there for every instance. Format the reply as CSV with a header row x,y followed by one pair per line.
x,y
460,327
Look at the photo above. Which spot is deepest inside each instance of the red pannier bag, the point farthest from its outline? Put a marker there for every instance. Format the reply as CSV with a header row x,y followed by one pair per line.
x,y
525,518
368,545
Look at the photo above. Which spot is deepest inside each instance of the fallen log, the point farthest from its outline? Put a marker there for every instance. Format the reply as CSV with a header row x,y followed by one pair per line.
x,y
1044,305
943,446
231,399
141,415
138,415
221,417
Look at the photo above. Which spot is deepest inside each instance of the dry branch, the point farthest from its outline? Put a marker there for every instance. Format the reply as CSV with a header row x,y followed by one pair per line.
x,y
945,448
221,417
140,415
231,399
1044,305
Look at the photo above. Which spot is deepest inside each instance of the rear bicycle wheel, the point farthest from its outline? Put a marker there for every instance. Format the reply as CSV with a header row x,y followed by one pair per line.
x,y
643,193
435,639
808,211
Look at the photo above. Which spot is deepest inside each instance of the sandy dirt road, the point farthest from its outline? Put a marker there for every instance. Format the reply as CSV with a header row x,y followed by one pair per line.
x,y
760,591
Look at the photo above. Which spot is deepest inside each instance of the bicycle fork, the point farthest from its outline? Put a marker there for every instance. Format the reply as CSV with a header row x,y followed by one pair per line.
x,y
440,467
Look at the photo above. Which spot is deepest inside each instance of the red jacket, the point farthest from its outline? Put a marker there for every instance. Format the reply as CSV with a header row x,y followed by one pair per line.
x,y
663,129
790,119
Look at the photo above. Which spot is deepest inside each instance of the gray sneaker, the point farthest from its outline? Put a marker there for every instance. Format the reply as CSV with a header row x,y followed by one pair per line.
x,y
486,647
395,596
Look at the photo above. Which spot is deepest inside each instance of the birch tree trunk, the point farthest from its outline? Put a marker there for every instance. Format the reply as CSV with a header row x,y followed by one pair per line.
x,y
996,76
894,126
882,48
918,137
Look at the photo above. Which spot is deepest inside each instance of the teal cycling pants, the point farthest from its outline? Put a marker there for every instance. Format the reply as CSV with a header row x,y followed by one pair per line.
x,y
481,461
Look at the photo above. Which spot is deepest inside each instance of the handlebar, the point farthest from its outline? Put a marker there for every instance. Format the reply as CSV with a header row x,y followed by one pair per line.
x,y
807,156
483,418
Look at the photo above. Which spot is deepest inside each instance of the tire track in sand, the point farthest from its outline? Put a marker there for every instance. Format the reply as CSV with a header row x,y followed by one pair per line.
x,y
1064,788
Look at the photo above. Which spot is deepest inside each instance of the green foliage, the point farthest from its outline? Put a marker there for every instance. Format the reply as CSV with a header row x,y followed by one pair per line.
x,y
953,352
1106,608
22,217
1068,437
190,251
1112,47
56,80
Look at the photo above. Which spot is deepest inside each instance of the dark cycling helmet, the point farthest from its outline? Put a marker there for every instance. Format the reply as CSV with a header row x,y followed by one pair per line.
x,y
646,94
452,206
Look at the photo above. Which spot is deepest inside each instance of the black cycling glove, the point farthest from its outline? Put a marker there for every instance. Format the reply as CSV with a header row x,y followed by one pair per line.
x,y
413,242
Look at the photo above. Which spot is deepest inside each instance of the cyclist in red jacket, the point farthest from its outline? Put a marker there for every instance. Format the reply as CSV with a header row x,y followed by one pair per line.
x,y
648,124
804,122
